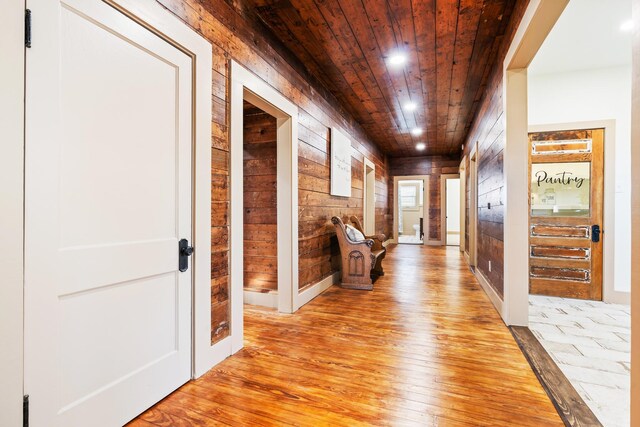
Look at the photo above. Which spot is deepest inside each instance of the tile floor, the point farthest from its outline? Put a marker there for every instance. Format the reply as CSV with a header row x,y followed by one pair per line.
x,y
589,340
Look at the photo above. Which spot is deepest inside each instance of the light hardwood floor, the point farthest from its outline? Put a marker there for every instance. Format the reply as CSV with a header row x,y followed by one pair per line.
x,y
424,348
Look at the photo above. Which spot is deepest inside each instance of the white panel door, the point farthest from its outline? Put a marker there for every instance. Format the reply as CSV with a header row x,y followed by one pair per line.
x,y
108,196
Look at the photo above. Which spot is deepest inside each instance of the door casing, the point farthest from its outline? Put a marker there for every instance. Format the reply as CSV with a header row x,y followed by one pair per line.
x,y
369,191
247,86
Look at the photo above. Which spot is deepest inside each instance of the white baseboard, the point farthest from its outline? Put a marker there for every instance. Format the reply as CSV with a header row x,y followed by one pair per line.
x,y
617,297
491,293
433,243
264,299
389,242
310,292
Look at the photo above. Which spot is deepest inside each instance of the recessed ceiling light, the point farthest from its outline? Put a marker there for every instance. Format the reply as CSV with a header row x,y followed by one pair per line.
x,y
410,106
416,131
627,25
420,146
397,59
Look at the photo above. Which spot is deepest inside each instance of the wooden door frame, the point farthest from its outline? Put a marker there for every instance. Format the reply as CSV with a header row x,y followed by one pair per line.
x,y
443,205
11,199
609,294
425,218
463,204
369,228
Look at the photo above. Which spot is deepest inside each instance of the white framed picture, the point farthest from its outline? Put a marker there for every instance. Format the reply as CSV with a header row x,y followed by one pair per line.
x,y
340,164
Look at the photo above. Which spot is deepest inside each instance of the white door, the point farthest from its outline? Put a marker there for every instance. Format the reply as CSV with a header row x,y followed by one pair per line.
x,y
108,196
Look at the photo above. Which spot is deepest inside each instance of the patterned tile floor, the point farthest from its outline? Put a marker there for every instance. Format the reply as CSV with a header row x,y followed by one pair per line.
x,y
589,340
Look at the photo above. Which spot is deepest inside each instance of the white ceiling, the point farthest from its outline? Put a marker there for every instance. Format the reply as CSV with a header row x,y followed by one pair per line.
x,y
587,36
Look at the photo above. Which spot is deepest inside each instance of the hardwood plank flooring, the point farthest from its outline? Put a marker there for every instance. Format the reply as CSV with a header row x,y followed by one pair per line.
x,y
573,410
424,348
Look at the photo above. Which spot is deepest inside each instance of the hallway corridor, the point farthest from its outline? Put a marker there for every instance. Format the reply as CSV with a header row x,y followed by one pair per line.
x,y
425,347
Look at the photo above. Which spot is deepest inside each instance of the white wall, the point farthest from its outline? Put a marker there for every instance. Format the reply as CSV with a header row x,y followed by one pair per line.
x,y
409,218
453,205
597,94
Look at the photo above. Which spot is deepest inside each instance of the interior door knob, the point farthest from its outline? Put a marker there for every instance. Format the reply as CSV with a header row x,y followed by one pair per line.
x,y
184,252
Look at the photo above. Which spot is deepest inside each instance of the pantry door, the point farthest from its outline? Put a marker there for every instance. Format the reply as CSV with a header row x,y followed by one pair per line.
x,y
566,213
108,198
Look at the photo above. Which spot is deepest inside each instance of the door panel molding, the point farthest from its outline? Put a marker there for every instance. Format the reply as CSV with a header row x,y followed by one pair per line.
x,y
564,250
168,28
166,25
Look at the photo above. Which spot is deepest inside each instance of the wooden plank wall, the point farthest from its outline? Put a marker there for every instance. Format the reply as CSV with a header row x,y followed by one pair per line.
x,y
434,166
234,35
487,132
260,200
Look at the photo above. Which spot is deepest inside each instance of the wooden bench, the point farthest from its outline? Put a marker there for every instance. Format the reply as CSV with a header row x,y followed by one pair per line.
x,y
358,259
378,240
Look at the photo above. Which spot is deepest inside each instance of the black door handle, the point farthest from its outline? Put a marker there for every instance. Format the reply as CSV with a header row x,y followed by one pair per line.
x,y
184,251
595,233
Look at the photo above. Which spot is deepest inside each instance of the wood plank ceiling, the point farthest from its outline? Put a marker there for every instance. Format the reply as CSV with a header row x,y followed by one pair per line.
x,y
451,45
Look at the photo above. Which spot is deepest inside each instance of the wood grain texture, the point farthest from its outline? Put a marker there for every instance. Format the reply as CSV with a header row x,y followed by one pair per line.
x,y
260,200
236,33
359,259
487,132
571,408
424,348
434,166
345,43
577,272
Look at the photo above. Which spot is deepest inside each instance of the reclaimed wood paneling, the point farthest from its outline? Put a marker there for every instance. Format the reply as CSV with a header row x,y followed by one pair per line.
x,y
434,166
237,34
260,200
487,132
345,43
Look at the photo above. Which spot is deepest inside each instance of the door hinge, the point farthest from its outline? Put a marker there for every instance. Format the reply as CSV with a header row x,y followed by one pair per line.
x,y
27,28
25,410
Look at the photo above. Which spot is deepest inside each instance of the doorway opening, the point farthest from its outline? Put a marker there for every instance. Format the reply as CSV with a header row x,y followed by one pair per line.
x,y
452,210
410,205
260,196
247,90
558,126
